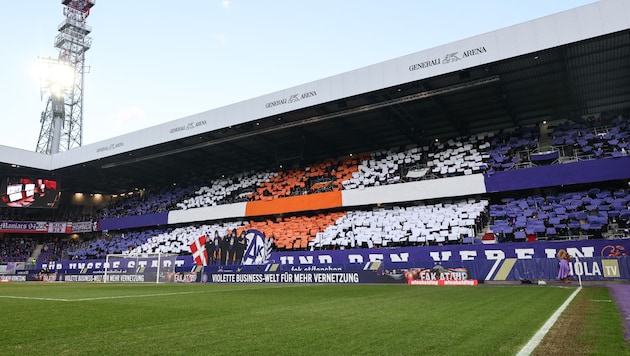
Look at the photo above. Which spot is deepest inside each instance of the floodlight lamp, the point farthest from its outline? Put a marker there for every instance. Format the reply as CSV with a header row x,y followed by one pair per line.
x,y
56,75
56,89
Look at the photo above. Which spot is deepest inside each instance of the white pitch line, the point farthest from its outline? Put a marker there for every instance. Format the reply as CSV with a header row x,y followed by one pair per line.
x,y
540,334
131,296
33,298
96,298
136,295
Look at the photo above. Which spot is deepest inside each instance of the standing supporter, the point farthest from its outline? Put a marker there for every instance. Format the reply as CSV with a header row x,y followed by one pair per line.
x,y
225,243
232,247
563,270
216,253
241,245
210,249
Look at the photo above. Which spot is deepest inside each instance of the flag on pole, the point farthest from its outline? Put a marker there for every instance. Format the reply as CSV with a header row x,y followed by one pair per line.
x,y
199,252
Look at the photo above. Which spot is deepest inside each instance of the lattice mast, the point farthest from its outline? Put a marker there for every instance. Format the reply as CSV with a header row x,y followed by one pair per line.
x,y
62,119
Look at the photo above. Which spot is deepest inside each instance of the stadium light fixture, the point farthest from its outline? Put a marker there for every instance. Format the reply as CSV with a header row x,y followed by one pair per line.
x,y
56,76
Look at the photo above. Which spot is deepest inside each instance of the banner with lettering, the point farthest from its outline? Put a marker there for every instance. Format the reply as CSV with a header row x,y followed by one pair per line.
x,y
82,226
593,260
59,227
30,227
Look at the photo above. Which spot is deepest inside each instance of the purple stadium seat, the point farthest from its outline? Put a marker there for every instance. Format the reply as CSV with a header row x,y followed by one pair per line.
x,y
573,224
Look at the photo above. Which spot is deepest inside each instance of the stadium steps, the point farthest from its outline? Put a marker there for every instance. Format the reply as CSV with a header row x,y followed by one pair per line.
x,y
36,252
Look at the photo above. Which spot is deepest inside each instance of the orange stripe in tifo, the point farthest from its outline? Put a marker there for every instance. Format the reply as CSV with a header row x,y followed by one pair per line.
x,y
325,200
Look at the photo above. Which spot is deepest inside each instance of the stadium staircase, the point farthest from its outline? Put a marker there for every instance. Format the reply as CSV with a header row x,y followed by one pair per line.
x,y
36,252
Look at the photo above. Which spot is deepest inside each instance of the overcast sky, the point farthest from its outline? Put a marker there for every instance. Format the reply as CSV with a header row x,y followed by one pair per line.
x,y
157,61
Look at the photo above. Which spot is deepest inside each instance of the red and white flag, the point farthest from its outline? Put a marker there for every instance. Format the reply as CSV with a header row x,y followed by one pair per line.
x,y
198,250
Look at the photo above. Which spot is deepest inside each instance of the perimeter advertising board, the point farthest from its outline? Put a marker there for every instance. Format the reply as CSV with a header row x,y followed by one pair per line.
x,y
594,260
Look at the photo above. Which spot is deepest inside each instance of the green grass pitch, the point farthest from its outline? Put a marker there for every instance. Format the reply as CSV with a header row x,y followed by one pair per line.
x,y
187,319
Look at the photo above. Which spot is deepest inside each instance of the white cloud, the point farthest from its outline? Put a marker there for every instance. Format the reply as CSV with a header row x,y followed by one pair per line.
x,y
225,3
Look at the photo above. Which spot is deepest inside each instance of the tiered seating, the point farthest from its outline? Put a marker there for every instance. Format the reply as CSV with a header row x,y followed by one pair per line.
x,y
179,240
484,152
227,190
117,243
606,136
16,249
578,214
331,174
346,169
583,213
418,224
382,167
148,202
325,176
462,156
506,148
295,232
320,177
282,184
52,251
586,213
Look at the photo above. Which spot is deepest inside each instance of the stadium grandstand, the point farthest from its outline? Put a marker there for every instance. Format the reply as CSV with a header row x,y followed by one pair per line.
x,y
502,146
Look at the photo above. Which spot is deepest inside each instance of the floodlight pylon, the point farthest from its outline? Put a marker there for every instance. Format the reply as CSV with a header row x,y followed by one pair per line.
x,y
62,118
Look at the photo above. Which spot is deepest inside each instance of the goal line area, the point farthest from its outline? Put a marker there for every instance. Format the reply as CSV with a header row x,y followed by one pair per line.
x,y
139,268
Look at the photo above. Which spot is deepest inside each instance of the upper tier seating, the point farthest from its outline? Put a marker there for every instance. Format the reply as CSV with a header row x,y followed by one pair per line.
x,y
486,152
463,156
148,202
226,190
508,149
604,136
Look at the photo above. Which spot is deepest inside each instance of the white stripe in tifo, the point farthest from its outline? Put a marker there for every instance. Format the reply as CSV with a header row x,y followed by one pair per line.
x,y
540,334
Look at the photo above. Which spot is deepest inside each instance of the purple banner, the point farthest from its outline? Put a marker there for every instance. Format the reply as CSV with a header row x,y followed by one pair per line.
x,y
473,252
558,174
129,222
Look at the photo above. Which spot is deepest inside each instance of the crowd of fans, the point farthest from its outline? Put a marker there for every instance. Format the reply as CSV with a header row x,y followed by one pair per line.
x,y
486,152
17,249
597,137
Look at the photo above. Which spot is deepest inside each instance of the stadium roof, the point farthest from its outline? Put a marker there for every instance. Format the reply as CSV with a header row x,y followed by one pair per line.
x,y
513,77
